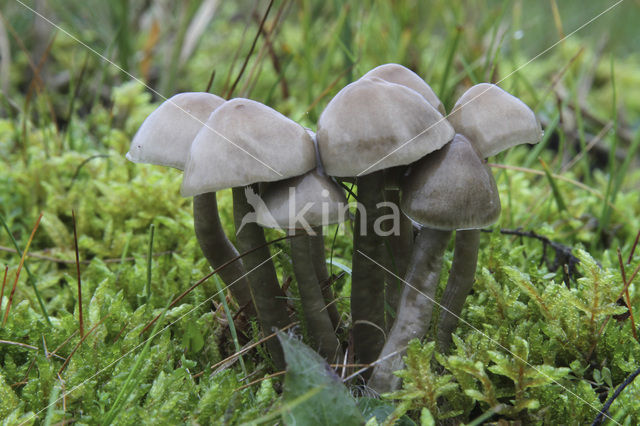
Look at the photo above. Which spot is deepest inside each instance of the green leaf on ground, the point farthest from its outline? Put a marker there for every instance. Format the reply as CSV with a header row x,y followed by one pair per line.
x,y
307,372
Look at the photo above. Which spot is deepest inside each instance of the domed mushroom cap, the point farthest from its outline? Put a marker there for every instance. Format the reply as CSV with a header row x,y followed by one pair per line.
x,y
244,142
395,73
372,124
494,120
165,136
451,189
314,197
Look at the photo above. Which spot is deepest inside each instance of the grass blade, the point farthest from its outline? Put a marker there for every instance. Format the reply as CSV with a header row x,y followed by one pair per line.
x,y
75,240
149,263
556,192
232,326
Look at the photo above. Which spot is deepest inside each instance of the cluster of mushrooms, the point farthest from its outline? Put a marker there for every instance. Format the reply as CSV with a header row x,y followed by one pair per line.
x,y
386,133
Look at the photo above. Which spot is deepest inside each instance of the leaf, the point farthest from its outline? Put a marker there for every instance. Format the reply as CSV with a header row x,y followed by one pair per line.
x,y
331,402
426,419
381,410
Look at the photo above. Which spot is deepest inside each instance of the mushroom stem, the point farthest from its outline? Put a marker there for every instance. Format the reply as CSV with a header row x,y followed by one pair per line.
x,y
397,255
463,269
416,306
267,295
313,305
217,248
318,257
367,279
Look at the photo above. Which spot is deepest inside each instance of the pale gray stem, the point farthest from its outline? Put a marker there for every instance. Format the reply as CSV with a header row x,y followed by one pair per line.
x,y
318,257
367,279
416,306
217,248
463,270
313,304
267,295
397,255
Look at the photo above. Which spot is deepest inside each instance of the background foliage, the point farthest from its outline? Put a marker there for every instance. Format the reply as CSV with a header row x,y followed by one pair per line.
x,y
535,346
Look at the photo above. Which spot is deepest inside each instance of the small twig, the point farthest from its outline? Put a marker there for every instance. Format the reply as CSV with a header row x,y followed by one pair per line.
x,y
64,394
76,91
253,46
564,256
633,247
26,376
63,343
275,60
328,89
70,262
253,345
84,162
30,279
594,141
254,74
75,240
4,282
15,283
210,83
629,281
555,176
23,345
262,379
209,275
66,362
626,293
124,327
606,321
618,391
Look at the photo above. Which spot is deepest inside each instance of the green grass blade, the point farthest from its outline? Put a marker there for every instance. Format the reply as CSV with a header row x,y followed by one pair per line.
x,y
556,192
149,263
232,326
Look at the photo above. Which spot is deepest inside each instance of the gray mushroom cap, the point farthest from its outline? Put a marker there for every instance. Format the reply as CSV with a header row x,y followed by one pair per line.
x,y
312,196
398,74
165,136
372,124
494,120
245,142
451,189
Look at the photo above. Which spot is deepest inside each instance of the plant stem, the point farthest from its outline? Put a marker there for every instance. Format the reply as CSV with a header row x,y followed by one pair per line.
x,y
268,298
313,304
463,270
149,267
318,257
367,280
217,248
416,306
31,279
398,253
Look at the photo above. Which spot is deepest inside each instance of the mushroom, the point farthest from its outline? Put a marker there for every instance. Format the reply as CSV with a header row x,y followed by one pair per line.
x,y
449,189
400,244
164,138
492,120
301,206
398,74
242,143
371,125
